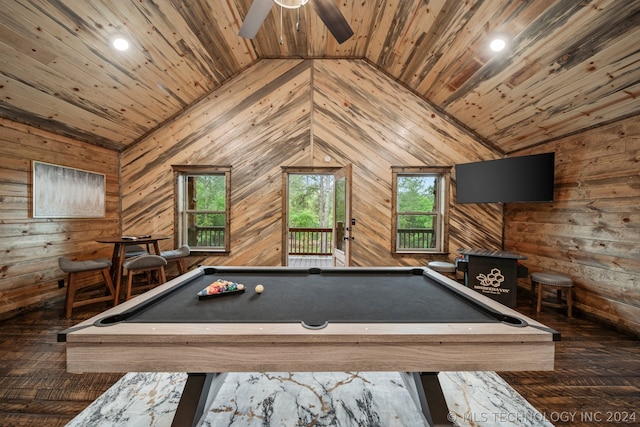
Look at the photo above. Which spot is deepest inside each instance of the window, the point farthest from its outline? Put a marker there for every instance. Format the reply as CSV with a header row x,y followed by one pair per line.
x,y
202,197
419,209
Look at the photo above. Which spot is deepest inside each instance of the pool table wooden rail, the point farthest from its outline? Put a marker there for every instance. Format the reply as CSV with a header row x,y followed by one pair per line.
x,y
220,347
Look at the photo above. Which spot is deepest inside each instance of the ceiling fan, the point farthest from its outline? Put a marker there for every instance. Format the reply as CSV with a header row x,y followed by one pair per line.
x,y
326,10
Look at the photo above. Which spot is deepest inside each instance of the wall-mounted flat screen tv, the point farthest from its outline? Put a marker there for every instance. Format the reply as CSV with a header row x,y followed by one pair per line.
x,y
513,179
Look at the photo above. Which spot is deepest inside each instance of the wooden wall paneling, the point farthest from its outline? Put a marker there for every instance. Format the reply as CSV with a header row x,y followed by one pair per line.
x,y
363,117
533,228
609,296
197,134
343,128
282,113
215,116
256,123
23,144
590,231
29,272
476,227
346,127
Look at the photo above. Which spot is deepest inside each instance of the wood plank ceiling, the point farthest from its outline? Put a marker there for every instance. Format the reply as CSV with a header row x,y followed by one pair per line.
x,y
570,65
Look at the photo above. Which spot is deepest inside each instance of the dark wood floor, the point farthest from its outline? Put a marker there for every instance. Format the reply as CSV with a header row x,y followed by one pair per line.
x,y
596,381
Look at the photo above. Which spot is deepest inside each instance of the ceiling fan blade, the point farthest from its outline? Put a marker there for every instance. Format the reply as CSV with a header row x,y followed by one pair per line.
x,y
255,17
330,14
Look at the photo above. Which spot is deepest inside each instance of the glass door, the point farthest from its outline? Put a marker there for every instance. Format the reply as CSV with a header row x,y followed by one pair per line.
x,y
343,229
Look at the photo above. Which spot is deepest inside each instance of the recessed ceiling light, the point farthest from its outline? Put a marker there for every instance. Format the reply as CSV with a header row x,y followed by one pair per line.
x,y
497,44
120,44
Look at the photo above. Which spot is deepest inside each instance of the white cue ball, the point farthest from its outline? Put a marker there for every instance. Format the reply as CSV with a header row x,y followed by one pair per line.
x,y
259,289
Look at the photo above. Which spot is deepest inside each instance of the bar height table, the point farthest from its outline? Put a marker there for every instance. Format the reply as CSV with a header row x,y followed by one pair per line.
x,y
119,252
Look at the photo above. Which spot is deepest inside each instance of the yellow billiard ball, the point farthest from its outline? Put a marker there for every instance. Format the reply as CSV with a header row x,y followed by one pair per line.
x,y
259,289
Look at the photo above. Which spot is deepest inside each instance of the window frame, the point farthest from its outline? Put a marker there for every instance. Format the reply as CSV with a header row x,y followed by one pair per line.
x,y
181,172
443,191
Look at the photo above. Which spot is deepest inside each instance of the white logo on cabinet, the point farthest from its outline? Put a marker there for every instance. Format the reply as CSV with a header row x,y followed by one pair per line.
x,y
490,283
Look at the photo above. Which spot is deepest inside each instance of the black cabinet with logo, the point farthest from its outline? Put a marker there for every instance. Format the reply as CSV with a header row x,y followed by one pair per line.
x,y
492,273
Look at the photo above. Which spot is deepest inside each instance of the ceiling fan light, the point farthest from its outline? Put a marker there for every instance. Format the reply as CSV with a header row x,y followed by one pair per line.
x,y
291,4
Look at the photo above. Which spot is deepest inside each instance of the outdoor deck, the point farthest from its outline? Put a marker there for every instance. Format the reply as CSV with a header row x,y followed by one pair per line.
x,y
310,261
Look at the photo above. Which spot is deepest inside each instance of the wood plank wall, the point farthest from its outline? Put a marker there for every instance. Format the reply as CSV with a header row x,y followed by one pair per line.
x,y
591,231
295,113
30,247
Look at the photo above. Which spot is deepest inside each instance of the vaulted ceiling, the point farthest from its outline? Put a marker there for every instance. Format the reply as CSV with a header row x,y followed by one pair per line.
x,y
569,65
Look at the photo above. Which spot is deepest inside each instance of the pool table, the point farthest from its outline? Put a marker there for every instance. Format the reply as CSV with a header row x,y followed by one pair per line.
x,y
404,319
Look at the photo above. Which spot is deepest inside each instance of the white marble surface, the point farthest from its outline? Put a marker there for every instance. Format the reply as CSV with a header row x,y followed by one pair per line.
x,y
313,399
475,399
484,399
137,399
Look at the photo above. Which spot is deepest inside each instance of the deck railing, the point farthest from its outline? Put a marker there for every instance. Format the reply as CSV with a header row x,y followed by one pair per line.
x,y
317,241
302,241
416,238
208,237
310,241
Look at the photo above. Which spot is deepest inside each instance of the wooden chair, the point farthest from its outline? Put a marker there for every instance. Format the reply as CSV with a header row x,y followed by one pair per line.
x,y
75,269
144,264
178,256
560,283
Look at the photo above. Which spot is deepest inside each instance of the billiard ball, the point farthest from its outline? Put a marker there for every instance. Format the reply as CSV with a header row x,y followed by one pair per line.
x,y
259,289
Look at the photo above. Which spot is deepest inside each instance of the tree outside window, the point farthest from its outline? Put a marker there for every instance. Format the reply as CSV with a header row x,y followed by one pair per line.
x,y
310,200
203,207
420,201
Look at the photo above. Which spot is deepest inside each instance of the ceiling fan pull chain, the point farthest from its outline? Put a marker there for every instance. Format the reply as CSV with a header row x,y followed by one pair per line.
x,y
281,35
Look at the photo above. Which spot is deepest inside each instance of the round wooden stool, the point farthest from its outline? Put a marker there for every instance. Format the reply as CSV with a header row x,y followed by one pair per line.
x,y
555,281
443,267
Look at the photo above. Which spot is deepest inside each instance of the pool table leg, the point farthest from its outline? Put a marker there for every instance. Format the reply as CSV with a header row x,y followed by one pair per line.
x,y
434,407
198,391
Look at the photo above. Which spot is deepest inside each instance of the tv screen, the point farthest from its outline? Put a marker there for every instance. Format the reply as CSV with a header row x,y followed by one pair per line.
x,y
514,179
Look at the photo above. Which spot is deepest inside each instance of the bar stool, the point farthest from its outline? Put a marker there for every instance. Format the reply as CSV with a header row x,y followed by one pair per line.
x,y
443,267
131,251
555,281
144,264
178,255
76,268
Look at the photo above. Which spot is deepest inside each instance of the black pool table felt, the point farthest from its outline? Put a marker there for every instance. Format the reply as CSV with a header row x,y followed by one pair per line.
x,y
313,299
